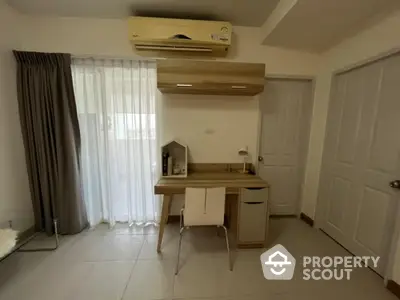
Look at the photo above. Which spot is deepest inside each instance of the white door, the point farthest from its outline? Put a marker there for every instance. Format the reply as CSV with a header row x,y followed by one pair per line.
x,y
361,157
286,107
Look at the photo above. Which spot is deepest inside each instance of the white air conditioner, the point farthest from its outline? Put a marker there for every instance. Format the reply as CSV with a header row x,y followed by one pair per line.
x,y
169,37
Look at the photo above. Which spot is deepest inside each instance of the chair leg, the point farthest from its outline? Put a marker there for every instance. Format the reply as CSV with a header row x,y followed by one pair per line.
x,y
179,249
228,247
181,218
181,229
218,235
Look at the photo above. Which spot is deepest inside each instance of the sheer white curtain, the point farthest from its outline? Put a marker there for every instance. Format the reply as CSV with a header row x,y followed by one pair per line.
x,y
116,101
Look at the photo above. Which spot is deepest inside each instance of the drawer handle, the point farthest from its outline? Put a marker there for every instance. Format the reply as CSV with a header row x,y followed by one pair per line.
x,y
261,202
255,188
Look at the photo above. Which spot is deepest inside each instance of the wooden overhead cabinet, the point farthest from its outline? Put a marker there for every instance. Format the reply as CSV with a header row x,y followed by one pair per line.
x,y
209,77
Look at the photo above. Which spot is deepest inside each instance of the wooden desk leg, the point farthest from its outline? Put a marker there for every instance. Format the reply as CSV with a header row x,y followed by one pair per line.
x,y
164,219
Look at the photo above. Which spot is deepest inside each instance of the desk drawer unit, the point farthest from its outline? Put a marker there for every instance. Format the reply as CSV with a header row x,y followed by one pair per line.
x,y
253,217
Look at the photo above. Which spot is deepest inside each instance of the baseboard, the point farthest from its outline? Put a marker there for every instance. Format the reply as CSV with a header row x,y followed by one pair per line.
x,y
307,219
250,245
24,235
282,216
173,219
394,287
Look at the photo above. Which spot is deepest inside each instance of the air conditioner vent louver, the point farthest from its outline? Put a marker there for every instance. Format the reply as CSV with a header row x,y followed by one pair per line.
x,y
180,37
172,48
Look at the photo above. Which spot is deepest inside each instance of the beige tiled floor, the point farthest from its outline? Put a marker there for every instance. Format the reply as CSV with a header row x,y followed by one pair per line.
x,y
122,263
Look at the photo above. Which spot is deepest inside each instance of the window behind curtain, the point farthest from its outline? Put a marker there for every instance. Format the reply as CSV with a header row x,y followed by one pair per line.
x,y
118,118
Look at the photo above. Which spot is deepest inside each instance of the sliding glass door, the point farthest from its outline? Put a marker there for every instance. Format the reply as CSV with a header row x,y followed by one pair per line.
x,y
116,102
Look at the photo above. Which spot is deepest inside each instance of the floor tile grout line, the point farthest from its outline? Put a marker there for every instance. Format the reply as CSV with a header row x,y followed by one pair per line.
x,y
173,278
31,271
106,261
133,268
49,255
140,247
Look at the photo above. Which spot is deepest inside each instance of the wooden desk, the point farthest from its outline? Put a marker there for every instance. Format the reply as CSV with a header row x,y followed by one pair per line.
x,y
232,181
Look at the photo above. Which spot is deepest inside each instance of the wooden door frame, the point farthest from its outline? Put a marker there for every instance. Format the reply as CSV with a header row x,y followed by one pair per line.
x,y
319,209
312,79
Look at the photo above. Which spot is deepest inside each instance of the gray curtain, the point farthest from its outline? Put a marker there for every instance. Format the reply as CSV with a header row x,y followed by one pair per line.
x,y
51,137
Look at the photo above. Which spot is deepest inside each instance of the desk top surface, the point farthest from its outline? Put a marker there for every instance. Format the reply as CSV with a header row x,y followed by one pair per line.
x,y
207,180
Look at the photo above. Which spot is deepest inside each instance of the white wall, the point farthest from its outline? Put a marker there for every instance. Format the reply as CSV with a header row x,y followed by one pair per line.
x,y
223,124
15,202
366,45
213,127
109,37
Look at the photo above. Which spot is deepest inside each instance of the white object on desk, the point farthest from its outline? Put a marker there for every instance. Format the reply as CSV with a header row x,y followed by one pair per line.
x,y
244,152
169,166
203,207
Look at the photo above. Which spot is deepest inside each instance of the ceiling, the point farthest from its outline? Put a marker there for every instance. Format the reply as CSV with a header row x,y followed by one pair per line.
x,y
317,25
238,12
306,25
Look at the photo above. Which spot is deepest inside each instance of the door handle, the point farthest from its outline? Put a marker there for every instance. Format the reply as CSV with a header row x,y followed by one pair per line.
x,y
260,158
395,184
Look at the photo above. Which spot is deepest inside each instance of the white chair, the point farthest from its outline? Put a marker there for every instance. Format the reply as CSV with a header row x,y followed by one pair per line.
x,y
203,207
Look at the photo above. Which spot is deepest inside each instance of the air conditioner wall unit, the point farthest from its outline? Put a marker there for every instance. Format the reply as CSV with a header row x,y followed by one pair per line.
x,y
178,37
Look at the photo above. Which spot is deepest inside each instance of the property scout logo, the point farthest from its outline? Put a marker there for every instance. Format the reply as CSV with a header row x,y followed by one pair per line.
x,y
278,264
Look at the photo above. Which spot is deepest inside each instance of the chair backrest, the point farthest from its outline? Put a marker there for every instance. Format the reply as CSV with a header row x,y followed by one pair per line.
x,y
204,206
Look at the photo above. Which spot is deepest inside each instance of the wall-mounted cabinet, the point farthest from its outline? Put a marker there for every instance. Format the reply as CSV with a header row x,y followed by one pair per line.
x,y
174,160
209,77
